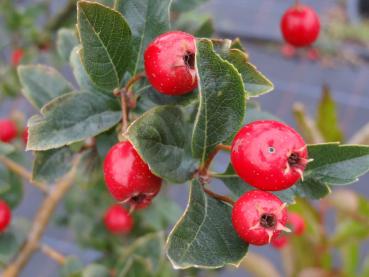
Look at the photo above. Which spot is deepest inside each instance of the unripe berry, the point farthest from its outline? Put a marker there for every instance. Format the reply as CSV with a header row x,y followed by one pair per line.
x,y
170,63
16,56
8,130
128,177
269,155
300,25
117,220
5,215
258,217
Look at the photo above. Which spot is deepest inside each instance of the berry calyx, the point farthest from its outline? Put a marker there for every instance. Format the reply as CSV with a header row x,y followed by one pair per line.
x,y
16,56
300,25
269,155
117,220
8,130
5,215
170,63
128,177
297,223
259,217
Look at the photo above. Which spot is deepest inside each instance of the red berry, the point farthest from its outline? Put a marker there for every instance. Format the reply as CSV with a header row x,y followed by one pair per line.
x,y
8,130
16,56
170,63
280,242
5,215
128,177
259,217
300,25
25,135
269,155
297,223
117,220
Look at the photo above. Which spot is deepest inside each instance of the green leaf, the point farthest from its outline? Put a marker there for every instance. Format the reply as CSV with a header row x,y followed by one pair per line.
x,y
205,30
309,188
337,164
326,118
222,101
237,44
135,267
185,6
11,187
6,148
351,257
163,212
96,270
147,19
83,79
65,42
71,268
150,248
12,239
161,137
106,41
151,98
42,84
255,82
204,236
50,165
238,187
71,118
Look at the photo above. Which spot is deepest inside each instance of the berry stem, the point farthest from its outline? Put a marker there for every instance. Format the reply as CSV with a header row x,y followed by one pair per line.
x,y
52,253
125,94
203,170
42,218
224,147
23,172
220,197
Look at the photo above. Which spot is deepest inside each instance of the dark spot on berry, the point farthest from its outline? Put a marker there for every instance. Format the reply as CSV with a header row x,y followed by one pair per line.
x,y
137,199
268,220
189,59
271,149
294,159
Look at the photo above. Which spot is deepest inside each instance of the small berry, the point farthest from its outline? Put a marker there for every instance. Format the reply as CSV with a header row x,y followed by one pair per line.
x,y
300,25
128,177
259,217
280,242
5,215
16,56
8,130
25,135
297,223
170,63
117,220
269,155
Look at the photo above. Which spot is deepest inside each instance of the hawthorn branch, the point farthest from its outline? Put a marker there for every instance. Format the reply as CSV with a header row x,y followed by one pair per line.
x,y
52,253
220,197
23,172
40,222
59,19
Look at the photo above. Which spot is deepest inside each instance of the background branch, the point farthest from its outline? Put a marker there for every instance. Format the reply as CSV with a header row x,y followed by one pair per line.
x,y
40,222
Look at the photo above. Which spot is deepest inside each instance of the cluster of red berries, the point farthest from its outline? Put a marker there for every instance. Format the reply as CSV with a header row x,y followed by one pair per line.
x,y
170,68
268,155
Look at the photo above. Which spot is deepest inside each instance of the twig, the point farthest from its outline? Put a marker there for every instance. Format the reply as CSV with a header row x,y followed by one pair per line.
x,y
219,196
52,253
23,172
224,147
40,222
